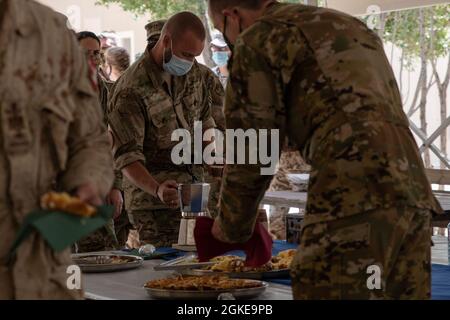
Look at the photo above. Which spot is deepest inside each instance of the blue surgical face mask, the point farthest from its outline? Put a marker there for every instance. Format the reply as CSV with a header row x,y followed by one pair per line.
x,y
176,66
220,58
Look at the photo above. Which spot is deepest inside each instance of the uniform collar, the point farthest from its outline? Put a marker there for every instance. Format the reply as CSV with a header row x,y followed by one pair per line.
x,y
152,69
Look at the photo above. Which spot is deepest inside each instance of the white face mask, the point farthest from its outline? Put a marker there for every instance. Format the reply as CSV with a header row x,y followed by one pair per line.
x,y
177,66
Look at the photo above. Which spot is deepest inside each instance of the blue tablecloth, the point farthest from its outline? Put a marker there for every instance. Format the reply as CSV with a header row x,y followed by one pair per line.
x,y
440,283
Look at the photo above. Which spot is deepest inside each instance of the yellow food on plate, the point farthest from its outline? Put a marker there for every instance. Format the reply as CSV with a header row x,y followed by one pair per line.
x,y
287,254
64,202
235,264
202,283
228,264
283,260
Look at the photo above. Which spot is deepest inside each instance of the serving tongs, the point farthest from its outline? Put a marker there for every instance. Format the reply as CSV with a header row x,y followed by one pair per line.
x,y
183,263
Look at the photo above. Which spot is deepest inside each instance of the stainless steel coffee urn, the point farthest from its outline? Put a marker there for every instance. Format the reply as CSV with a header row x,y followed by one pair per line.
x,y
194,200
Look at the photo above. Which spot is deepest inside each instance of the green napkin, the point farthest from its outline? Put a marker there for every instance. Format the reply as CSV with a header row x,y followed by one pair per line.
x,y
60,229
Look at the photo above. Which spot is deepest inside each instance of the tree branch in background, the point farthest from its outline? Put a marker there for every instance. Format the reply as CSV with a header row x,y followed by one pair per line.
x,y
442,87
424,50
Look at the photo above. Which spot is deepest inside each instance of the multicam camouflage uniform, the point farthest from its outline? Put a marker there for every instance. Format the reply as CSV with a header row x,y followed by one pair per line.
x,y
323,79
289,160
143,112
51,138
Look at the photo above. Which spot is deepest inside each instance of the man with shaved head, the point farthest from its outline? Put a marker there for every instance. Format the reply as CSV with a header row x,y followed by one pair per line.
x,y
163,91
322,78
211,84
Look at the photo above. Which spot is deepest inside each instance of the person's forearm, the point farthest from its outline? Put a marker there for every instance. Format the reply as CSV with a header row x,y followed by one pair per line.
x,y
140,177
242,190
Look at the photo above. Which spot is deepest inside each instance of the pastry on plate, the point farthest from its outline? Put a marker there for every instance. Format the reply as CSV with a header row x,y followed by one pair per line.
x,y
64,202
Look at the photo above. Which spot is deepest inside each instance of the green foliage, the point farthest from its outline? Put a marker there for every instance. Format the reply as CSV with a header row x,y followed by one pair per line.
x,y
158,8
402,28
163,8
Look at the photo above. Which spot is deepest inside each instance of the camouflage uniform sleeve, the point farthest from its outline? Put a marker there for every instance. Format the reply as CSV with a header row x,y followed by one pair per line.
x,y
207,115
252,102
103,95
89,149
217,101
127,123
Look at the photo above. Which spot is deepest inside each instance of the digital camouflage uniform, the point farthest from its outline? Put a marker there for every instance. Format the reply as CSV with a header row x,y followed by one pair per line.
x,y
51,138
323,79
217,95
105,238
116,231
143,112
289,160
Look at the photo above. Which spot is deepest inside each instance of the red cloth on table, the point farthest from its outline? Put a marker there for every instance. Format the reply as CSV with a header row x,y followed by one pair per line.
x,y
258,249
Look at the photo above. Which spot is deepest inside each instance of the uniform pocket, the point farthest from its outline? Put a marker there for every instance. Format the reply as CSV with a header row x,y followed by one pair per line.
x,y
164,121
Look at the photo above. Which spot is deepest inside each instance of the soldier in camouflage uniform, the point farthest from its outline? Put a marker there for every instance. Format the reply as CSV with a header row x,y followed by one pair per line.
x,y
220,55
163,91
51,138
322,78
213,174
289,160
104,238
